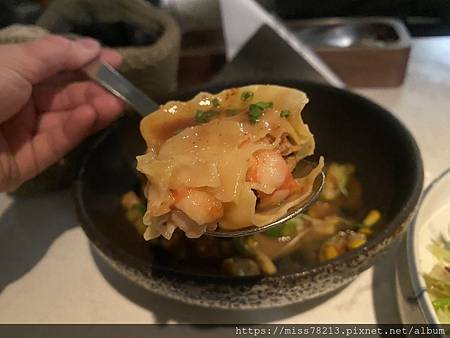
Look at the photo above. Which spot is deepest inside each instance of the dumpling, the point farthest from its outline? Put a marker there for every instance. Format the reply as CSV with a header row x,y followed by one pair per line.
x,y
225,160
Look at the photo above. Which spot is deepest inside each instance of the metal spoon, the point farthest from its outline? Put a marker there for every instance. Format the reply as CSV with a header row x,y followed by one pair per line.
x,y
105,75
113,81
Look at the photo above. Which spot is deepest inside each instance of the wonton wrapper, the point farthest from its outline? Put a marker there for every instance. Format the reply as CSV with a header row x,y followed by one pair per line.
x,y
216,155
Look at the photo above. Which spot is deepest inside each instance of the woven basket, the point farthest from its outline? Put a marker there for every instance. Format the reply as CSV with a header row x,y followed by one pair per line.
x,y
21,33
151,68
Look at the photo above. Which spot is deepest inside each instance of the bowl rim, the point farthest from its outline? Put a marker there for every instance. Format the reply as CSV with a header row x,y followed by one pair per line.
x,y
412,247
392,228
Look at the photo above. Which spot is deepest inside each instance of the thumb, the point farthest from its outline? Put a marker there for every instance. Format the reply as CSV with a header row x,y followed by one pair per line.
x,y
40,59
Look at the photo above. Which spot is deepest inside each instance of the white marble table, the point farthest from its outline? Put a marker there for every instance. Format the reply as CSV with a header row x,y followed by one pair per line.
x,y
49,273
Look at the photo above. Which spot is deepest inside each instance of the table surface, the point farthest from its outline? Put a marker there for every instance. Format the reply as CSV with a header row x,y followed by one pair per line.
x,y
50,274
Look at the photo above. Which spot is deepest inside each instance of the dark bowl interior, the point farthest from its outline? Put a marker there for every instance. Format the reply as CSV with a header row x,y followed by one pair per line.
x,y
347,128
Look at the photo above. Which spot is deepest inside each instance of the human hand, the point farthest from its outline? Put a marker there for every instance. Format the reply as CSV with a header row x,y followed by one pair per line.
x,y
45,108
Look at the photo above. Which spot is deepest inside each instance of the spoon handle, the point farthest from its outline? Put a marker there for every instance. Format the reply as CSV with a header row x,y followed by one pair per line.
x,y
109,78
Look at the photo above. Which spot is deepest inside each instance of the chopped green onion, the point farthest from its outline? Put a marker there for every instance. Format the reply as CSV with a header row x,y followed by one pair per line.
x,y
285,113
246,96
205,116
215,102
264,105
254,113
200,116
255,110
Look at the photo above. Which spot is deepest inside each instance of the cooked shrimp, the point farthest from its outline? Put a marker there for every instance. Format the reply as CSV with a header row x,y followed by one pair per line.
x,y
269,168
199,205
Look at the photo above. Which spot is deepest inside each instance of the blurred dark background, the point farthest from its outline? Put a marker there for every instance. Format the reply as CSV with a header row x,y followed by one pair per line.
x,y
422,17
202,50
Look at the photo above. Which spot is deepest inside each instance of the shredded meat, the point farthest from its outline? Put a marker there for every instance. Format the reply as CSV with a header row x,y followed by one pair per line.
x,y
286,147
269,139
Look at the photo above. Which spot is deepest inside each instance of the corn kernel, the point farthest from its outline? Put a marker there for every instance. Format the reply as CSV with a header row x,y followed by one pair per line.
x,y
372,217
356,242
251,242
365,230
129,199
330,252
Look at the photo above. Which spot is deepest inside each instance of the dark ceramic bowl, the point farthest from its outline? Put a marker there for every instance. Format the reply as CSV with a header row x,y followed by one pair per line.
x,y
347,127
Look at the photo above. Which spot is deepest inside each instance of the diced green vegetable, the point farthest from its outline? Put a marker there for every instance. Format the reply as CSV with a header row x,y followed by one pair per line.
x,y
215,102
273,232
288,228
246,95
256,110
263,105
254,114
205,116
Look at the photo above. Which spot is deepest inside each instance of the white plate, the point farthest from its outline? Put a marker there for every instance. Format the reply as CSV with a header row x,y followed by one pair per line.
x,y
433,220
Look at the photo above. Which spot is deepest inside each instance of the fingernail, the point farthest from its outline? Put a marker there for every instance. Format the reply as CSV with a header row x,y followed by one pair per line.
x,y
88,43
